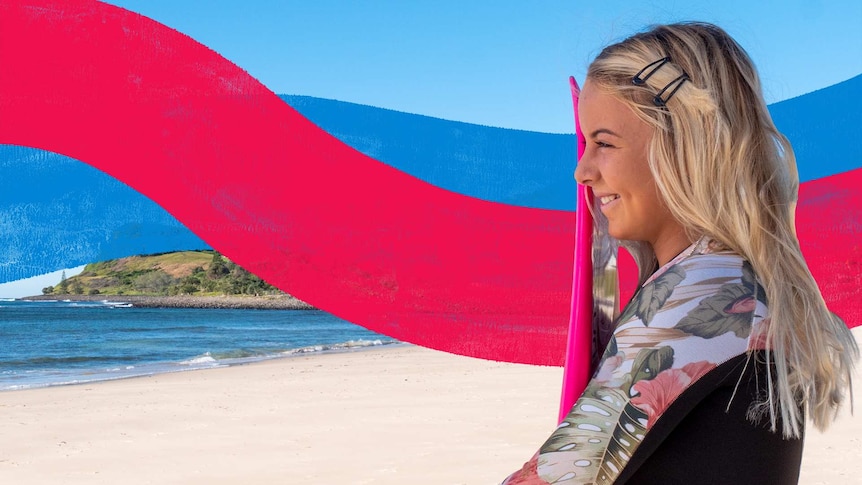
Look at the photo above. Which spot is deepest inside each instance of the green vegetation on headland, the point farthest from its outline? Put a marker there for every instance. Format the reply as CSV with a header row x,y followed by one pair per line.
x,y
169,279
205,273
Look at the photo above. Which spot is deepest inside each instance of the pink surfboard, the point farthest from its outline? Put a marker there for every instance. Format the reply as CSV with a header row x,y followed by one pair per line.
x,y
579,340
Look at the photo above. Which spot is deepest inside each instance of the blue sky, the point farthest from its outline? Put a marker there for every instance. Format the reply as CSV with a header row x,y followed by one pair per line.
x,y
33,286
495,62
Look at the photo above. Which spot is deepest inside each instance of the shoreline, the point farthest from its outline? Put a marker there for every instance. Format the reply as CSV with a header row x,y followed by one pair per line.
x,y
157,369
224,302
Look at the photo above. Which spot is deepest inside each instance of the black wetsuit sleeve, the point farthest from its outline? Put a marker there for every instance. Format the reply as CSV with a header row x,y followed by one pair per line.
x,y
720,445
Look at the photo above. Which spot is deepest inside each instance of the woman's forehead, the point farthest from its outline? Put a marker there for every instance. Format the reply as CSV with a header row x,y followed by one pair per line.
x,y
598,109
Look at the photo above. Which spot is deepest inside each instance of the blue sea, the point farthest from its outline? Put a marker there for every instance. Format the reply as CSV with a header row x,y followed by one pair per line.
x,y
48,343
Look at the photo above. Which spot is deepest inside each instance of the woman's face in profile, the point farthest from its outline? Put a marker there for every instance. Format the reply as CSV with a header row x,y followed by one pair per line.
x,y
615,166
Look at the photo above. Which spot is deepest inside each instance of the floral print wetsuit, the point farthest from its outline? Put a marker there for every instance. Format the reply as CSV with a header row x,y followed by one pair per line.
x,y
663,402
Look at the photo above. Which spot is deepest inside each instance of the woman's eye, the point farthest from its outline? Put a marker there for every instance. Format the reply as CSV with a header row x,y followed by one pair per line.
x,y
602,144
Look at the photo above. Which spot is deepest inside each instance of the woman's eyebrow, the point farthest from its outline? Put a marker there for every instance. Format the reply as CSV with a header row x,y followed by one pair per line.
x,y
603,130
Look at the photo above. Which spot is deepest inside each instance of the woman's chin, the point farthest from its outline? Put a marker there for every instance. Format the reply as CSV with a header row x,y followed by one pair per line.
x,y
617,233
623,235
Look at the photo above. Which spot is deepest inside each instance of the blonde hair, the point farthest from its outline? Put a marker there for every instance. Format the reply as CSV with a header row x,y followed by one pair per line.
x,y
725,171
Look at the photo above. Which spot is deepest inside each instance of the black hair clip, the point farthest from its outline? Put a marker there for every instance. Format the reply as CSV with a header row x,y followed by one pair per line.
x,y
662,102
637,80
640,79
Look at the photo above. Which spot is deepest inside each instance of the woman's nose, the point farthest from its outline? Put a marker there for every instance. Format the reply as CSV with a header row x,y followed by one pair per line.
x,y
585,171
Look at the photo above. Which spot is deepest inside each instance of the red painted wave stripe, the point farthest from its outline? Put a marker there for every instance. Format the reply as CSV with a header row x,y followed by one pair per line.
x,y
829,225
294,205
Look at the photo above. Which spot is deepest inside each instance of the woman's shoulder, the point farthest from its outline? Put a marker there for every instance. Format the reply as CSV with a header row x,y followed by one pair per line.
x,y
709,264
725,265
704,259
706,294
700,274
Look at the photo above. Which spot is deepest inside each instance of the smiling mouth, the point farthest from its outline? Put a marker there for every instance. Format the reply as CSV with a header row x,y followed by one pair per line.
x,y
607,199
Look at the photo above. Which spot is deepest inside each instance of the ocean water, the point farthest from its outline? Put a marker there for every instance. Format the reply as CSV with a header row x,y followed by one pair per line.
x,y
48,343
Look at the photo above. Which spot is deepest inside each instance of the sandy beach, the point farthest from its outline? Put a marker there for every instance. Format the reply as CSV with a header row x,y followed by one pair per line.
x,y
379,416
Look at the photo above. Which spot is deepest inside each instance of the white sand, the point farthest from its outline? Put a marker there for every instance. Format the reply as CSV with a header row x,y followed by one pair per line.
x,y
386,416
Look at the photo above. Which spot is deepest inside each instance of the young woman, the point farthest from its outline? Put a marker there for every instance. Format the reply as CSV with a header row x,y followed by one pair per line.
x,y
728,345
